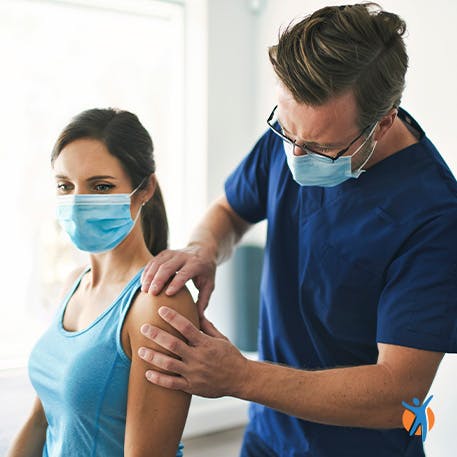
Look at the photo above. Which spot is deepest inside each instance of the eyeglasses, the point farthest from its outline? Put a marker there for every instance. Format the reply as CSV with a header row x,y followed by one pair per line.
x,y
307,149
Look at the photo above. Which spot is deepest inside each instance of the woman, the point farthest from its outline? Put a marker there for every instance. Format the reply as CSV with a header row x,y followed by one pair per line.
x,y
92,395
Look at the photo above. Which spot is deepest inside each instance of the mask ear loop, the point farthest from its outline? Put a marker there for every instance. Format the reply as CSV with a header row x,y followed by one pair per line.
x,y
137,187
360,171
144,203
137,214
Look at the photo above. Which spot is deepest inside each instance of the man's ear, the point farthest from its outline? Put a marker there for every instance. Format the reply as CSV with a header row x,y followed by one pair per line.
x,y
385,124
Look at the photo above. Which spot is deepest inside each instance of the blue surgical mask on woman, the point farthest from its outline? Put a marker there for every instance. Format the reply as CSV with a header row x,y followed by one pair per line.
x,y
96,222
316,170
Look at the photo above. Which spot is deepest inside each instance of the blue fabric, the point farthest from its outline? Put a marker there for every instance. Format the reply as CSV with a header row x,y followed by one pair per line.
x,y
82,379
254,446
371,260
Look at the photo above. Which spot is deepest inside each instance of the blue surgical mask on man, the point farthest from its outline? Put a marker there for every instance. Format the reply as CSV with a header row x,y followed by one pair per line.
x,y
315,170
96,222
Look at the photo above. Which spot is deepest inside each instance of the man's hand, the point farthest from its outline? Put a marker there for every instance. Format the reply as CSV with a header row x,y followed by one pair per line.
x,y
193,262
210,365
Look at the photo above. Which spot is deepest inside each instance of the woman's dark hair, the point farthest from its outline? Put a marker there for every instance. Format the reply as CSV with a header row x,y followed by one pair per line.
x,y
126,139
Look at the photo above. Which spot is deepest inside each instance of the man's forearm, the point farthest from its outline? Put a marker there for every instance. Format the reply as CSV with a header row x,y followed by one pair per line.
x,y
363,396
368,396
219,231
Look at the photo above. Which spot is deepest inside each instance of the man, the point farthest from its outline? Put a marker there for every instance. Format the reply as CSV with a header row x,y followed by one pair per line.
x,y
359,286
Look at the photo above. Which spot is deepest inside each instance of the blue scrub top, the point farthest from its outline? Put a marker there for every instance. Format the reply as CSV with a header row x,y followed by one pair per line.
x,y
372,260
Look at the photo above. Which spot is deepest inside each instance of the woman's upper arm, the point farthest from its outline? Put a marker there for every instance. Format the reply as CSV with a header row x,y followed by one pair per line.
x,y
38,413
31,437
155,415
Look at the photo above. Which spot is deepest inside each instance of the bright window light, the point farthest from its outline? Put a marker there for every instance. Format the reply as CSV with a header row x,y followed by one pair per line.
x,y
58,59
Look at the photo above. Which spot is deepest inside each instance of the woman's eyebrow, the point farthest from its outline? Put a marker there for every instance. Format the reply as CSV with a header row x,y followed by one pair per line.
x,y
92,178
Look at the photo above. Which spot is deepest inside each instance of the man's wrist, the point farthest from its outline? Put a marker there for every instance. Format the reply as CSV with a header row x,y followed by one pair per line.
x,y
203,249
244,381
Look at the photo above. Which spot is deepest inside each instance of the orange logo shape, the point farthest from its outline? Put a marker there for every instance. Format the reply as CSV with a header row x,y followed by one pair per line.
x,y
418,419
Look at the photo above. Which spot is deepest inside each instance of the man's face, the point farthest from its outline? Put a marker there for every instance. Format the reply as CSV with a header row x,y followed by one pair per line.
x,y
326,129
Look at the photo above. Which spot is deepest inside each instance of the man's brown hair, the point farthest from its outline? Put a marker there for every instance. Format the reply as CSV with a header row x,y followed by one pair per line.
x,y
339,48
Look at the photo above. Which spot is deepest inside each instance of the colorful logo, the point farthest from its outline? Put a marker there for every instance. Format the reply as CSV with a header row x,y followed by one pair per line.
x,y
418,419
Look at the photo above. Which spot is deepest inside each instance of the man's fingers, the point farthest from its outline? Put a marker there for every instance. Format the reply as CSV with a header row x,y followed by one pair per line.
x,y
146,277
164,339
150,271
182,276
203,297
181,324
164,272
162,361
165,380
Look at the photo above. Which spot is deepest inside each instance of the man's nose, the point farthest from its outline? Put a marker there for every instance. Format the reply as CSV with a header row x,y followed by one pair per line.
x,y
298,151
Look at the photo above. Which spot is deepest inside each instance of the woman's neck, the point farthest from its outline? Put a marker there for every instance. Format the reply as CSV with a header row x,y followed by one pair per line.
x,y
120,264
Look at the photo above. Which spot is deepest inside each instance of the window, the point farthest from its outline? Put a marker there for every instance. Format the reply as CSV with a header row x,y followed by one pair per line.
x,y
60,57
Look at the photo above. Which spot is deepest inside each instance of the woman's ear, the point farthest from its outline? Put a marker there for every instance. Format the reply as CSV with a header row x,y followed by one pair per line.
x,y
385,124
148,192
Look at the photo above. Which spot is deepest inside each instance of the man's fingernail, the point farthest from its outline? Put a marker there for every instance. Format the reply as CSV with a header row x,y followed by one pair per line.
x,y
142,352
149,375
145,329
164,311
154,288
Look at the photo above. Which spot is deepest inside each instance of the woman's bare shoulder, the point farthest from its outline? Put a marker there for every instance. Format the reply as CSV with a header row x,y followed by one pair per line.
x,y
145,309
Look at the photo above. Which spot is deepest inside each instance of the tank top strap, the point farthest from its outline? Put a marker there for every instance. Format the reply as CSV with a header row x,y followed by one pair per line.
x,y
126,300
69,294
129,292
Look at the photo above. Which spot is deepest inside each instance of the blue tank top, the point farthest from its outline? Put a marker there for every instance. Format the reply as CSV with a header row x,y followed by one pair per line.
x,y
82,379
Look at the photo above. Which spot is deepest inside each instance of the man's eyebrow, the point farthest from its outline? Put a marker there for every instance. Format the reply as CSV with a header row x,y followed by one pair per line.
x,y
324,145
311,143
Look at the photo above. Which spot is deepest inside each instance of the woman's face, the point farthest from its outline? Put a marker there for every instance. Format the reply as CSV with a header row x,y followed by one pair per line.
x,y
86,167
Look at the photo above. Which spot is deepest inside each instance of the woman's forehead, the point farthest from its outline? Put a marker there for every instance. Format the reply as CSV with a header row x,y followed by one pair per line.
x,y
87,155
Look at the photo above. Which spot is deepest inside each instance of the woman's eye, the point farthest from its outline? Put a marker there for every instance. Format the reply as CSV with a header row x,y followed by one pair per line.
x,y
103,187
63,187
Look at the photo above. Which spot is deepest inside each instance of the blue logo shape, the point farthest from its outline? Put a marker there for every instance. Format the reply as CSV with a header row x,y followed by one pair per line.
x,y
420,416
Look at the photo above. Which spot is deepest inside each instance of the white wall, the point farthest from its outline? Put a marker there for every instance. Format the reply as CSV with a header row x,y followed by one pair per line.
x,y
430,94
232,101
242,95
231,94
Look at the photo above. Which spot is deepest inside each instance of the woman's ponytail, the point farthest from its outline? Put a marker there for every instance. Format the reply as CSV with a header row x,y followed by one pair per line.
x,y
155,223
